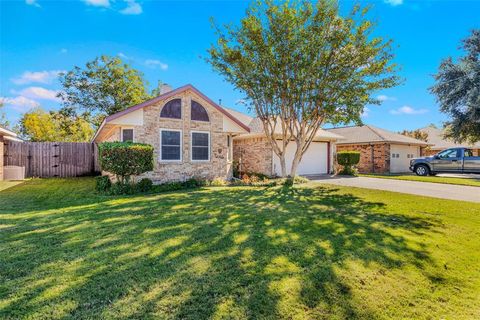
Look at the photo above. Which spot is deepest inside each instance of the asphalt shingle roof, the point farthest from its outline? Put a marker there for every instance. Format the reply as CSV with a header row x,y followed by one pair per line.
x,y
435,137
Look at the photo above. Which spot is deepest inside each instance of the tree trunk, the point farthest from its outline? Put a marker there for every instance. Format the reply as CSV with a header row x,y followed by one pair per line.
x,y
283,165
295,163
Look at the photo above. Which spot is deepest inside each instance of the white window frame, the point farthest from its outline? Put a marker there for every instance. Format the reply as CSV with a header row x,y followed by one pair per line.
x,y
127,128
191,146
229,148
181,146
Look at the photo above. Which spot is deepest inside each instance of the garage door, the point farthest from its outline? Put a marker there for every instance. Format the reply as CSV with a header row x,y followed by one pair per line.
x,y
400,157
314,161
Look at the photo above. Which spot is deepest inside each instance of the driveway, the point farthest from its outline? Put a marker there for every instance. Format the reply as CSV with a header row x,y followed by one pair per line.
x,y
436,190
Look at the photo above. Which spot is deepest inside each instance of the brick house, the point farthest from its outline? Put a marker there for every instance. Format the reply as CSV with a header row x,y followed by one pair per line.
x,y
192,136
438,142
381,151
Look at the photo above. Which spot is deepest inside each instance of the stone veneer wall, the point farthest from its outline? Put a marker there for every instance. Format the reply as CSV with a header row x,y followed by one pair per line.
x,y
381,157
217,167
253,155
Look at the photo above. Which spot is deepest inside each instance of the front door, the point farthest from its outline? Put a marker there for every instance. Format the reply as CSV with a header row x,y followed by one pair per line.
x,y
448,160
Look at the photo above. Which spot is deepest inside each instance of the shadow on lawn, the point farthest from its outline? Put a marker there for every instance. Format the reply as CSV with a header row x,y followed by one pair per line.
x,y
242,252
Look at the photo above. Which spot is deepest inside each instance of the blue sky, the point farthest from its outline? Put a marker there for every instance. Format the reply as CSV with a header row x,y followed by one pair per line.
x,y
166,40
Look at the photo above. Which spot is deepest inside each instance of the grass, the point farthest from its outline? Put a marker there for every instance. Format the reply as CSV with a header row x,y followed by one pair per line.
x,y
310,252
434,179
8,184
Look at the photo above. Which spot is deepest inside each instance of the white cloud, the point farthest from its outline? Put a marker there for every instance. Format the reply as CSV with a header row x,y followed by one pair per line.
x,y
38,77
365,113
39,93
98,3
124,56
32,3
20,103
383,98
394,2
156,63
63,50
408,110
132,8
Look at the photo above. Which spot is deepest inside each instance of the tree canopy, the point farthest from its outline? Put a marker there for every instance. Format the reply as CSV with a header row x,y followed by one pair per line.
x,y
457,89
39,125
4,123
301,65
104,86
416,134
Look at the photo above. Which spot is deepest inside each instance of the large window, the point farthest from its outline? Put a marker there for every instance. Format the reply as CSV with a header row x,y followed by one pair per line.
x,y
127,135
172,109
170,145
198,112
200,146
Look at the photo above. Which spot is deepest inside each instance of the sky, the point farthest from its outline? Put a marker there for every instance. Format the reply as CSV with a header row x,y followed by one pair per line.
x,y
168,41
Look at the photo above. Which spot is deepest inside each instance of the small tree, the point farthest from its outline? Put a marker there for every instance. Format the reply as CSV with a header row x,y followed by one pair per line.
x,y
348,159
125,159
416,134
301,65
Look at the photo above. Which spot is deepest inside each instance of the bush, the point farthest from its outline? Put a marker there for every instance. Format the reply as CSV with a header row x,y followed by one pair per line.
x,y
119,188
144,185
169,186
103,183
218,182
348,159
125,159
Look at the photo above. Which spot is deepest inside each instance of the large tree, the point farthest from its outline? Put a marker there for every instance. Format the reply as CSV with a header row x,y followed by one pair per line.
x,y
457,88
301,65
39,125
416,134
104,86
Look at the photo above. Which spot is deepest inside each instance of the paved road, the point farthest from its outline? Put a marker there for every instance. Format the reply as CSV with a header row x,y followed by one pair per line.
x,y
436,190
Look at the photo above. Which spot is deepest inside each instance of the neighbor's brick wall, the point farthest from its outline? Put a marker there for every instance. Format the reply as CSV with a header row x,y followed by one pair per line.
x,y
253,155
381,157
1,158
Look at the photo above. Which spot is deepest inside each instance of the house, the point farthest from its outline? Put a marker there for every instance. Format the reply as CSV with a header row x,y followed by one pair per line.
x,y
438,142
381,151
193,136
5,135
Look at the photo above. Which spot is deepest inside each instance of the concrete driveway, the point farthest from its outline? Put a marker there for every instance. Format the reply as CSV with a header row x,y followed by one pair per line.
x,y
436,190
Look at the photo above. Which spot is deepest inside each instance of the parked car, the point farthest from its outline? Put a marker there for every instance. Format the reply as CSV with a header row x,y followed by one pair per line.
x,y
453,160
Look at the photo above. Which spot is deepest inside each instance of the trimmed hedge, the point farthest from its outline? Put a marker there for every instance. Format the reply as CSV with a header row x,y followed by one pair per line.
x,y
125,159
348,159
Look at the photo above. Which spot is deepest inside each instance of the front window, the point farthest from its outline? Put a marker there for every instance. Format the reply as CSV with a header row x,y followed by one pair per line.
x,y
450,153
127,135
171,145
200,146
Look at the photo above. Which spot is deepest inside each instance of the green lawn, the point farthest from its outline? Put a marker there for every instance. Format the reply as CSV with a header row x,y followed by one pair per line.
x,y
8,184
312,252
435,179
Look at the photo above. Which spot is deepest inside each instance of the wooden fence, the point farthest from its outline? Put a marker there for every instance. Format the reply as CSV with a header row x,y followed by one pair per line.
x,y
52,159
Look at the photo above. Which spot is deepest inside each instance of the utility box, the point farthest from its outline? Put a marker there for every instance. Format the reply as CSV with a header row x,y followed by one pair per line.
x,y
13,173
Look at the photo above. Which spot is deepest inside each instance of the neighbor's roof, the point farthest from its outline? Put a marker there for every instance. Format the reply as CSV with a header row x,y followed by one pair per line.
x,y
371,134
435,137
256,127
10,135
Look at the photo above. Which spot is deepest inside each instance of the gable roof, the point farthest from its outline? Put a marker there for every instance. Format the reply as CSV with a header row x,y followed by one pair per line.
x,y
435,137
371,134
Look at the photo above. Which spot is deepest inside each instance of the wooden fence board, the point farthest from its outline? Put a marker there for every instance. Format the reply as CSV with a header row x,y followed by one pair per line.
x,y
52,159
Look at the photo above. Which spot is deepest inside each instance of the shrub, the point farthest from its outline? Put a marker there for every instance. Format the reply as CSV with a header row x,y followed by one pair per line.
x,y
103,183
119,188
125,159
348,159
246,179
300,180
169,186
144,185
218,182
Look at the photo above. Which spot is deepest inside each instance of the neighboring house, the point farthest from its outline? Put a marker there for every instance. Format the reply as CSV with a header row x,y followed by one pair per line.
x,y
192,136
254,153
439,143
381,151
4,136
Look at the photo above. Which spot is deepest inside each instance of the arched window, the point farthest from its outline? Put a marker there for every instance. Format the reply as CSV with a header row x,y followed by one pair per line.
x,y
172,109
198,112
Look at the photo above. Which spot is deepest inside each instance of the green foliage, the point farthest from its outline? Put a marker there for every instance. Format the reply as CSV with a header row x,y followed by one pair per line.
x,y
125,159
348,159
457,91
105,86
144,185
416,134
119,188
300,65
39,125
218,182
4,123
288,182
102,184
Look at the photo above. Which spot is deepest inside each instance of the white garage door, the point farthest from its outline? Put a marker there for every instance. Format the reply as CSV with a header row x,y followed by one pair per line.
x,y
400,157
314,161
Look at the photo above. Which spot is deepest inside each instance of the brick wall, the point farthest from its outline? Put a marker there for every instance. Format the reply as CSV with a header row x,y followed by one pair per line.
x,y
379,163
217,167
253,155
